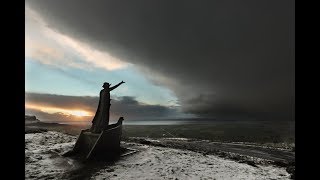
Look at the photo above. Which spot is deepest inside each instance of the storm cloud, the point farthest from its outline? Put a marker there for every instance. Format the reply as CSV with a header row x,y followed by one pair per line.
x,y
231,58
126,106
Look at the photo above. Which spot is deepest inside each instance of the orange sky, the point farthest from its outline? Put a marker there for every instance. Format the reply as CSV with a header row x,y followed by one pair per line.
x,y
52,110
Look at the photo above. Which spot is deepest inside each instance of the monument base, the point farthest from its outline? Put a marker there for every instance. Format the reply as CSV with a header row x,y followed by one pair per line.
x,y
102,146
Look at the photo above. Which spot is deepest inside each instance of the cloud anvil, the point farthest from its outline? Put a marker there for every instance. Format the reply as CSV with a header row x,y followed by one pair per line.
x,y
227,59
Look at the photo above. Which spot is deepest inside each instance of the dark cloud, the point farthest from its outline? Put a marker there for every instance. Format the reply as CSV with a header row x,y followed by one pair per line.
x,y
221,58
125,106
129,106
88,103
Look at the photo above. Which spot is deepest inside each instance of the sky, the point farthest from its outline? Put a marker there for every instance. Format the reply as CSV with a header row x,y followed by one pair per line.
x,y
180,59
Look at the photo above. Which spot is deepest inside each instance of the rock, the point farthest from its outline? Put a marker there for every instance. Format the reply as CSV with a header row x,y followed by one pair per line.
x,y
31,129
31,118
146,142
280,163
110,170
291,170
251,163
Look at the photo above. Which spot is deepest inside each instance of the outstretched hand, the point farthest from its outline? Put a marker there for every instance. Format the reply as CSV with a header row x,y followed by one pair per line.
x,y
122,82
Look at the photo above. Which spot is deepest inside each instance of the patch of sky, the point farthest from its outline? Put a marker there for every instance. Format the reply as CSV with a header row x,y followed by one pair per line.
x,y
41,78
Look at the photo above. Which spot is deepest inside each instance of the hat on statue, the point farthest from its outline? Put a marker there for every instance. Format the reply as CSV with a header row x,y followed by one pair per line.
x,y
106,84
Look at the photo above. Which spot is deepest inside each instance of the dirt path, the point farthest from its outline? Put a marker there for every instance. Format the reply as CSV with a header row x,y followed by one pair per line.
x,y
279,156
255,151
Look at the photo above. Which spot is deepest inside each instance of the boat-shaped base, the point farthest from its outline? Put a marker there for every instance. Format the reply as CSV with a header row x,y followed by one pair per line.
x,y
98,146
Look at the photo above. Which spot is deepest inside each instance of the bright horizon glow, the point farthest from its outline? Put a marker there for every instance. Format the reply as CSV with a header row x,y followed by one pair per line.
x,y
52,110
80,113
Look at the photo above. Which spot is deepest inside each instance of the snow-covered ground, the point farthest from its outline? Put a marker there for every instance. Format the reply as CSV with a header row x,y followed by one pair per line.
x,y
42,155
44,161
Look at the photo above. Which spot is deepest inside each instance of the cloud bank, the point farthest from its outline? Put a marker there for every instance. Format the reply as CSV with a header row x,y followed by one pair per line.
x,y
226,59
125,106
51,46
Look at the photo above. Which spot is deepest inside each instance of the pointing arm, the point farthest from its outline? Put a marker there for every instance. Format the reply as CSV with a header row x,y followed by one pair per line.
x,y
115,86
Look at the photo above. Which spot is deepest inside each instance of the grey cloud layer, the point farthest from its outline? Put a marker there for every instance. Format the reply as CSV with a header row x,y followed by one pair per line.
x,y
221,58
120,106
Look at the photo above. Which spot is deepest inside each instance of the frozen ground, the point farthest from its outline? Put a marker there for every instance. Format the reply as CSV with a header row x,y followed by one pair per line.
x,y
237,151
166,163
42,155
44,161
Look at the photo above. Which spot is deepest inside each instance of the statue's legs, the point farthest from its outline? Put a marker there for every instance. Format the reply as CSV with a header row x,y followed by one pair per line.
x,y
106,122
102,120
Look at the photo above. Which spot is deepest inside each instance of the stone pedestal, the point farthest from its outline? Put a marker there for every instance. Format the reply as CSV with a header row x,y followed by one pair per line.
x,y
102,146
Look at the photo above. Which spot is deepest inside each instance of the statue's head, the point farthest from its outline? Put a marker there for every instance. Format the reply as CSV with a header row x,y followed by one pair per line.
x,y
106,85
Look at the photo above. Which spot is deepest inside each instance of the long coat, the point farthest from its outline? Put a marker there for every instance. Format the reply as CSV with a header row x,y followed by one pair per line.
x,y
101,118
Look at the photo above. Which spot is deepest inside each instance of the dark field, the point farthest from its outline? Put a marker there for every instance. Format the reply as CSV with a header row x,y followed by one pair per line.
x,y
235,131
227,131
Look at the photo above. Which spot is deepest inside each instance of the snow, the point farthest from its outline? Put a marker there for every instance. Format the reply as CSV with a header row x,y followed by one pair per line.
x,y
179,139
44,161
43,158
165,163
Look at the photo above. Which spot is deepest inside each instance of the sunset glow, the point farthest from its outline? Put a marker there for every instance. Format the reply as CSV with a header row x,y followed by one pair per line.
x,y
52,110
80,113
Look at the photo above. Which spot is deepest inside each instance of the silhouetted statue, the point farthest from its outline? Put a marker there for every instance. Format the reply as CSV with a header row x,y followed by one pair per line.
x,y
101,118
